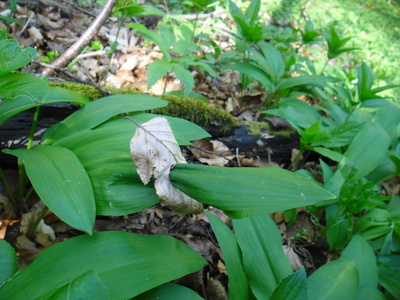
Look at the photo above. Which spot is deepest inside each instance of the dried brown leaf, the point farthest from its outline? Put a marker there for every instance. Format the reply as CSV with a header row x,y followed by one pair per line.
x,y
155,151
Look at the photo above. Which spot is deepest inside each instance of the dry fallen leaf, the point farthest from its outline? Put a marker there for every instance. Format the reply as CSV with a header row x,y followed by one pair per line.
x,y
213,153
155,151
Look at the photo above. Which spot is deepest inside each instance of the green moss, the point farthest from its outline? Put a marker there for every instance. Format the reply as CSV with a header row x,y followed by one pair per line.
x,y
260,128
190,109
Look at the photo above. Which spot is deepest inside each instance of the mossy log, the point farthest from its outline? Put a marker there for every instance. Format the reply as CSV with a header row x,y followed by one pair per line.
x,y
187,108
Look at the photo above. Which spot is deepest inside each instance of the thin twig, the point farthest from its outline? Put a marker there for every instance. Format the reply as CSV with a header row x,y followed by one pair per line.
x,y
27,23
86,37
221,154
73,77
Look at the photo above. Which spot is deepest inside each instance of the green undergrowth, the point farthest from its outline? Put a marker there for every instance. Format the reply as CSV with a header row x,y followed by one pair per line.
x,y
187,108
373,25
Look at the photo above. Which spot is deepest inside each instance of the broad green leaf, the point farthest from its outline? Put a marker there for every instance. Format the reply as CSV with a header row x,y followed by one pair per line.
x,y
252,11
364,82
333,155
16,85
386,113
13,57
338,234
154,37
157,70
238,285
389,274
8,261
86,286
363,256
304,81
127,264
104,153
169,291
264,261
57,94
185,46
335,280
61,182
254,72
367,159
99,111
235,11
243,192
185,77
274,63
293,287
298,113
370,294
127,8
10,108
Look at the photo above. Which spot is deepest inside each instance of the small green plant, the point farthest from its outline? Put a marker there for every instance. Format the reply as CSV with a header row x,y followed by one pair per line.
x,y
177,53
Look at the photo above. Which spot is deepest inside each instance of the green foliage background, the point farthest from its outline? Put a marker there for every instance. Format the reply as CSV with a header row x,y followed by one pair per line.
x,y
373,25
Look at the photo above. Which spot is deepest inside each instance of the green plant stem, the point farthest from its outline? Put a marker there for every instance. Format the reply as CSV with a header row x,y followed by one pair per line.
x,y
36,222
195,25
323,69
23,178
294,166
11,195
33,127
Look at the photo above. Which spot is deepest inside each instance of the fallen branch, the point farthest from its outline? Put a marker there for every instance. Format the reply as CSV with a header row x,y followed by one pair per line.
x,y
86,37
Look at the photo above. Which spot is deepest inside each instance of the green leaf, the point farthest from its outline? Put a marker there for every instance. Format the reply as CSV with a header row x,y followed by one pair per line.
x,y
367,159
254,72
293,287
304,81
99,111
57,94
335,280
389,275
298,113
61,182
16,85
335,44
238,285
185,77
243,192
104,153
364,82
359,251
8,261
252,11
370,294
157,70
338,234
13,57
154,37
10,108
127,8
127,264
86,286
386,113
169,291
273,62
264,261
